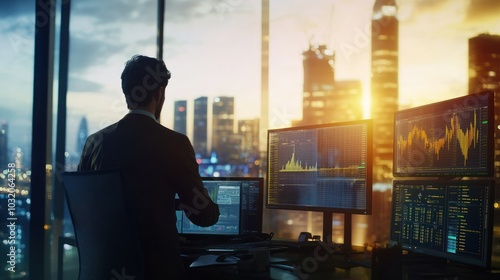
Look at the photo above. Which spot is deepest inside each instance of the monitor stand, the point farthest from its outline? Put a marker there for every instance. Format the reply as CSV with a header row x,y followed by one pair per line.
x,y
327,231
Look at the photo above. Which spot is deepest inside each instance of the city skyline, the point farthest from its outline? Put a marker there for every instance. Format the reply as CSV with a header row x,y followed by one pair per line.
x,y
212,50
433,54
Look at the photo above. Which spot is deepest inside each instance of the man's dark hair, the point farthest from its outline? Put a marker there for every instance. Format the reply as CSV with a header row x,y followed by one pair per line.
x,y
141,78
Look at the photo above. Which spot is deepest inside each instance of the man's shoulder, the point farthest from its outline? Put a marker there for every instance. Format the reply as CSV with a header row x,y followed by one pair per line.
x,y
147,124
103,131
172,133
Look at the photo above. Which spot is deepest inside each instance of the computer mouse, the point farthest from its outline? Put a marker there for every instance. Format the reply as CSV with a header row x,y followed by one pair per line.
x,y
227,258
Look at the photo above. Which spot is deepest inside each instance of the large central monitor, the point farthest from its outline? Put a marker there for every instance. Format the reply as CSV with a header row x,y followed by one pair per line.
x,y
452,138
325,168
451,219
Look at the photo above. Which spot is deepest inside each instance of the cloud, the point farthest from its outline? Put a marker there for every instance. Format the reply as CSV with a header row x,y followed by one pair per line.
x,y
482,10
187,10
90,52
17,35
14,9
470,11
107,12
175,10
83,85
410,11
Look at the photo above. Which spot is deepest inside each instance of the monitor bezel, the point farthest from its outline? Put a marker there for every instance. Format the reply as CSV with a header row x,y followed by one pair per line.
x,y
450,173
484,263
369,169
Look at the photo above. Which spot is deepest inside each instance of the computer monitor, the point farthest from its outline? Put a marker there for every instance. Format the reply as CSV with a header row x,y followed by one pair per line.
x,y
450,219
240,201
452,138
326,168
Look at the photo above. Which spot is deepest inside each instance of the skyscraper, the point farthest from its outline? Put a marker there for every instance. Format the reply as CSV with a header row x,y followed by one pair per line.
x,y
484,63
200,126
249,130
484,74
384,85
346,102
3,145
318,84
250,153
180,116
384,103
223,128
82,135
325,100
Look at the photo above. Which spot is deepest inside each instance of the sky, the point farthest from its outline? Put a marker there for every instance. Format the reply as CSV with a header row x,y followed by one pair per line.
x,y
213,48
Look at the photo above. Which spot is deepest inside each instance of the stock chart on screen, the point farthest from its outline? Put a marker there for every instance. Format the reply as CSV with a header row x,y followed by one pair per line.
x,y
321,167
448,138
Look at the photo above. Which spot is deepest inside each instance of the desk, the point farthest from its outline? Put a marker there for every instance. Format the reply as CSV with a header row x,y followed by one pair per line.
x,y
289,265
391,266
424,271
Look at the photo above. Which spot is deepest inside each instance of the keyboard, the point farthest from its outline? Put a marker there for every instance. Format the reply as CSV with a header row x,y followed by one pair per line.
x,y
273,245
296,244
236,247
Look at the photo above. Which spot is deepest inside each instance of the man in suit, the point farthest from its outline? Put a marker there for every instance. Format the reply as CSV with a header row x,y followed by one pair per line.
x,y
157,164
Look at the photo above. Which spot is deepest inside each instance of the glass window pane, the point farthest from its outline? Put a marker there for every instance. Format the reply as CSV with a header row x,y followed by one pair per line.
x,y
213,49
17,22
103,35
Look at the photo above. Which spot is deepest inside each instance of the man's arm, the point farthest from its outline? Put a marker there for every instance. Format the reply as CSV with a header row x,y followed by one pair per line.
x,y
194,198
200,209
85,161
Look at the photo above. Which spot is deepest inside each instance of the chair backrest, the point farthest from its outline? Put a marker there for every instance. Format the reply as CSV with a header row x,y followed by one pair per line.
x,y
107,238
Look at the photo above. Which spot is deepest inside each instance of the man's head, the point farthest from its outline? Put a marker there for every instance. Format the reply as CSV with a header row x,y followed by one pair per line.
x,y
144,79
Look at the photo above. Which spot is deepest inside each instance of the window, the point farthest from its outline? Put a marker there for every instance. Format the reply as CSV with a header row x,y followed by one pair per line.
x,y
17,30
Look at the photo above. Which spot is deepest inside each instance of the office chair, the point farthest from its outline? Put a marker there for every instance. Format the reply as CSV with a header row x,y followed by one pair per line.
x,y
106,236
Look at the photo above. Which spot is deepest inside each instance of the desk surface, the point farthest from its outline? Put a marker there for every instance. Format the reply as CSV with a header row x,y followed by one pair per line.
x,y
288,265
319,265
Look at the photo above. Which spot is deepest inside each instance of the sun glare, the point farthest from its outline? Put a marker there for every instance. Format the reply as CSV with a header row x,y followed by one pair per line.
x,y
366,104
